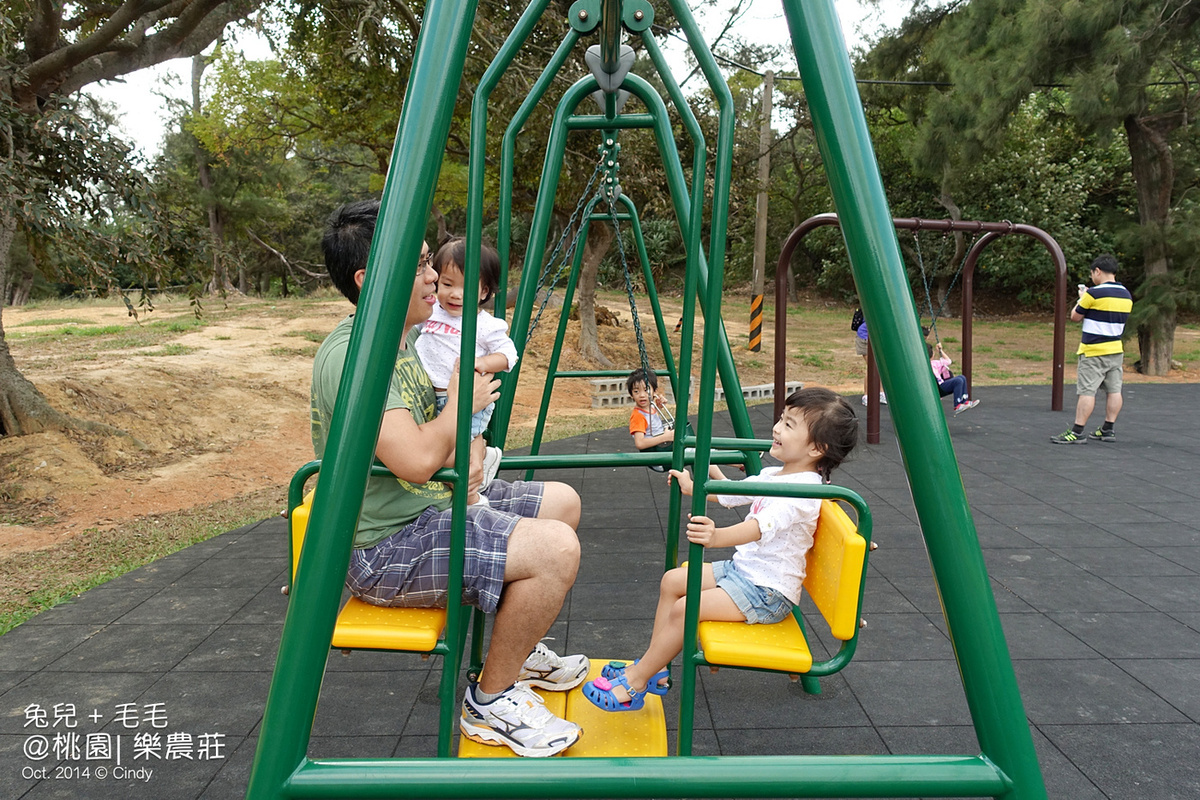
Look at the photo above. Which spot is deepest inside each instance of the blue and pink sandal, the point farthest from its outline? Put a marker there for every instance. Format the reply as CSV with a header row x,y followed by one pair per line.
x,y
655,686
600,693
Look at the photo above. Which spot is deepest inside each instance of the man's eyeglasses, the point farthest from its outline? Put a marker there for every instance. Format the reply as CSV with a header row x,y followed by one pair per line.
x,y
425,263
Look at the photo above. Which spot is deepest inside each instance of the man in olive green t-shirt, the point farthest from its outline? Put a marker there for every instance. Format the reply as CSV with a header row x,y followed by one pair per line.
x,y
522,552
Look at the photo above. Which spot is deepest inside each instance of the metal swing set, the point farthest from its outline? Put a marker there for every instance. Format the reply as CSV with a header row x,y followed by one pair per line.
x,y
1007,766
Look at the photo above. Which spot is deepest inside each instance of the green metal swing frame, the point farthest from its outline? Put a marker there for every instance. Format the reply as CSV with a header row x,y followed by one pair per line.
x,y
1007,766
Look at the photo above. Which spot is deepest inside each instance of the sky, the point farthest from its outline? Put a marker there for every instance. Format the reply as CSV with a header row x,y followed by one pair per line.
x,y
142,109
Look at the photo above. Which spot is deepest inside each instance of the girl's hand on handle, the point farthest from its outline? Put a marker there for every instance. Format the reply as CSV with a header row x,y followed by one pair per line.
x,y
682,478
700,530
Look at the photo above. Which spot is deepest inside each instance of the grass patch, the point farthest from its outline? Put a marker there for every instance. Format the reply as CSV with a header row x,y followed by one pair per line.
x,y
172,350
984,349
181,325
813,360
564,426
223,338
58,321
311,336
92,330
134,339
1029,356
71,331
32,582
291,352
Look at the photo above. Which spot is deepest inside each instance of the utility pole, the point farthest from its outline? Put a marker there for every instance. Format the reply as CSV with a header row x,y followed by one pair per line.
x,y
760,220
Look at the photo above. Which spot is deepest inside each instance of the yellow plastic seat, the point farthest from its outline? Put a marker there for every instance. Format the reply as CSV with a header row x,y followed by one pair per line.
x,y
641,733
833,579
362,626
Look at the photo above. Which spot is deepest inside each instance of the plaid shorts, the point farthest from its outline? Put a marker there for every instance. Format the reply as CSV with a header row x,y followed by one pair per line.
x,y
409,568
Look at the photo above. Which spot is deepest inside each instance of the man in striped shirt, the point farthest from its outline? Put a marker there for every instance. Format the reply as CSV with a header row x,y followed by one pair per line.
x,y
1103,309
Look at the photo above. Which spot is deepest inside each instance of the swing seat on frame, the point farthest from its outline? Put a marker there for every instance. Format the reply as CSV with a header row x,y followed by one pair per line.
x,y
362,626
836,569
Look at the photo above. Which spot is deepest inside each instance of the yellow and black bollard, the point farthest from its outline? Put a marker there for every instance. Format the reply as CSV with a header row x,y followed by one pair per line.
x,y
756,312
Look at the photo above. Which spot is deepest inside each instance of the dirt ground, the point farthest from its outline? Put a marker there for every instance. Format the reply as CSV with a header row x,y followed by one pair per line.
x,y
220,407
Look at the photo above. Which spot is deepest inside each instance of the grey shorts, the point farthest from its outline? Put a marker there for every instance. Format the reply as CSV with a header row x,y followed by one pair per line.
x,y
860,346
761,605
409,568
1096,371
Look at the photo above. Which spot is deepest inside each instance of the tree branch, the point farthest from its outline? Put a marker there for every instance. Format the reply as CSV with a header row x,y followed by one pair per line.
x,y
43,30
108,54
63,59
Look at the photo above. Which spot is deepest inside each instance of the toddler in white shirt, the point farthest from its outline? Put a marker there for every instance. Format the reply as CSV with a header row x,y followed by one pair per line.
x,y
440,343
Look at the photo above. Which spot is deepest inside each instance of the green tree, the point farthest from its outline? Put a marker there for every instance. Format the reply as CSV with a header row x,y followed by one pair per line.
x,y
1130,66
58,164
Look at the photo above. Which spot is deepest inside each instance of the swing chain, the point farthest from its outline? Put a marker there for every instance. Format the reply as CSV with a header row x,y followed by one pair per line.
x,y
610,199
568,254
925,280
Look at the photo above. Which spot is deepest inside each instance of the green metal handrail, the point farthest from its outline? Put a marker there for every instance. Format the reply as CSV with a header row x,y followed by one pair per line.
x,y
694,776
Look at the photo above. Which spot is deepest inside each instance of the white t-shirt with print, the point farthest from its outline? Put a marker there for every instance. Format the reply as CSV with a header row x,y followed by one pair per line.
x,y
440,343
777,559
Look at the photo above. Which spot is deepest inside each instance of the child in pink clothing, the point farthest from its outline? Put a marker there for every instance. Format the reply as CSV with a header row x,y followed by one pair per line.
x,y
948,382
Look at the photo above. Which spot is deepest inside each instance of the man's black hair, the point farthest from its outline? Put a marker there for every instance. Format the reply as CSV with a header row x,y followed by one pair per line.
x,y
347,242
1106,263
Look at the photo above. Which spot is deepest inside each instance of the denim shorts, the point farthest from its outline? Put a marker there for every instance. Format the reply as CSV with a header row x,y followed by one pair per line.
x,y
761,605
479,420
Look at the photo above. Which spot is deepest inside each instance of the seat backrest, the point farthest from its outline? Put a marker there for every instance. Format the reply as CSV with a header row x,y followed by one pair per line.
x,y
834,573
298,517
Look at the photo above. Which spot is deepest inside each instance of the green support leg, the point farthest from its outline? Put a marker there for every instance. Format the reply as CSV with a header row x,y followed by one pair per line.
x,y
938,493
313,605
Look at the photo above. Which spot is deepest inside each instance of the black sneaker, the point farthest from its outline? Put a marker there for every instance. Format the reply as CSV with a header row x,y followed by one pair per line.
x,y
1068,437
1101,435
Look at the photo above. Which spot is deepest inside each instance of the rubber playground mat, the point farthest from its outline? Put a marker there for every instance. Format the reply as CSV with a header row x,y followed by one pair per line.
x,y
153,685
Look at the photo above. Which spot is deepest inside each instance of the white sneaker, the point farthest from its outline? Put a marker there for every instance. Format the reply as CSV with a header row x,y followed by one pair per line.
x,y
518,719
491,465
547,670
882,398
864,399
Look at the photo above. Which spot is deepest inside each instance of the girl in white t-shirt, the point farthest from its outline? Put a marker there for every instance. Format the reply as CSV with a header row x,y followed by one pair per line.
x,y
762,581
440,342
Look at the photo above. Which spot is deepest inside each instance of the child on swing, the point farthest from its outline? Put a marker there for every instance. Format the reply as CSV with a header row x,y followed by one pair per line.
x,y
440,342
646,424
763,580
947,381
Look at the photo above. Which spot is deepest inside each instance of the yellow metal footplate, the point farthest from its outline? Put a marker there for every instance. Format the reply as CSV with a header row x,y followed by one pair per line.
x,y
605,733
